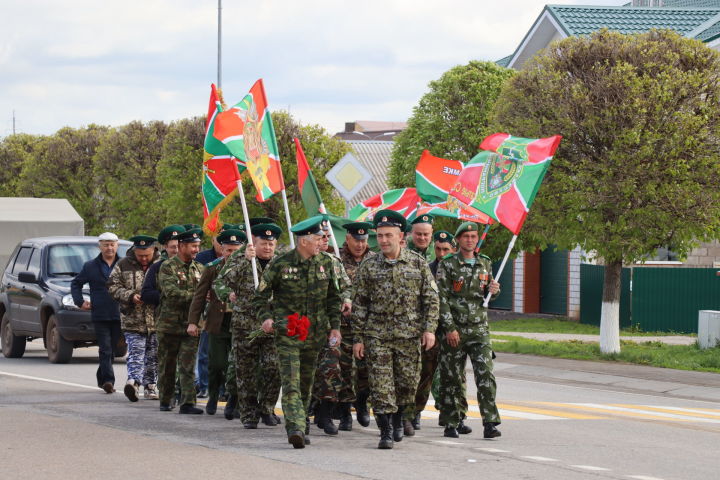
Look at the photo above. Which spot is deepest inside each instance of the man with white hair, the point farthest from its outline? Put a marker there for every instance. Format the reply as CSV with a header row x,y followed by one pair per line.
x,y
104,311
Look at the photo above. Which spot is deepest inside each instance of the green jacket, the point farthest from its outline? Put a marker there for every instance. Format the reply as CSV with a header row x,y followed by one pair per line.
x,y
462,291
177,282
126,280
311,287
236,276
428,253
394,300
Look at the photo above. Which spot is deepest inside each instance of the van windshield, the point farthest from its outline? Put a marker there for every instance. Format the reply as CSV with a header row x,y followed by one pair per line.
x,y
67,260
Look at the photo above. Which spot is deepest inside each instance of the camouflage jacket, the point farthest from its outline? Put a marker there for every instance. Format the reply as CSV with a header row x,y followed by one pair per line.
x,y
312,287
428,254
236,276
343,279
394,300
177,282
206,309
125,281
349,262
462,290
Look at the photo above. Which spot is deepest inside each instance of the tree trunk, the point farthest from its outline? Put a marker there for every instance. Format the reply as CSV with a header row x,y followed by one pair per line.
x,y
610,315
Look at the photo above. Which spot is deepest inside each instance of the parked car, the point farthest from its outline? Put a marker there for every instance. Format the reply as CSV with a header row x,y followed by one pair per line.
x,y
35,300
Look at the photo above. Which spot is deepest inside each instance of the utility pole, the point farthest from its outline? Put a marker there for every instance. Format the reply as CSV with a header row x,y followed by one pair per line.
x,y
13,122
219,60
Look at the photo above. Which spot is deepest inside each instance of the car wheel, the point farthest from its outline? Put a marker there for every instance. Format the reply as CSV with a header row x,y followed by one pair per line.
x,y
59,350
12,345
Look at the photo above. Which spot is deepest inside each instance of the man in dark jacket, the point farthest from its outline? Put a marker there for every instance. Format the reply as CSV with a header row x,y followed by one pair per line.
x,y
104,311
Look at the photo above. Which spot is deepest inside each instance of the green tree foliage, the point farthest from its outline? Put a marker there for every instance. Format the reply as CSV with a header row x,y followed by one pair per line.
x,y
450,120
61,167
638,167
15,151
127,187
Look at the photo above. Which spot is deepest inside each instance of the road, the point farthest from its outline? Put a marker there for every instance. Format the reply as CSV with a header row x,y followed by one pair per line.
x,y
561,420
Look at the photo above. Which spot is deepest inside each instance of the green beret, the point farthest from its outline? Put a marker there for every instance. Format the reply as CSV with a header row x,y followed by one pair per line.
x,y
191,236
443,236
231,237
142,241
267,231
191,226
309,226
466,227
423,219
258,220
169,233
359,230
389,218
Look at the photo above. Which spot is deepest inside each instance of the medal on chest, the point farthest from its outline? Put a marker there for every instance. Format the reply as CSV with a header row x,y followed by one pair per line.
x,y
458,284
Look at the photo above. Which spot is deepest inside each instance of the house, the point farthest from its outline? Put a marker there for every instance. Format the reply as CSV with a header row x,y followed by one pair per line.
x,y
549,281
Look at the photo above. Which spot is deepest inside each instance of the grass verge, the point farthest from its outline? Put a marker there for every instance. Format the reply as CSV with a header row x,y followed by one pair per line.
x,y
553,325
656,354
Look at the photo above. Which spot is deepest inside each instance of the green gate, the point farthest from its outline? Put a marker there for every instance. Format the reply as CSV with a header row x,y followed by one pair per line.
x,y
592,278
504,301
553,281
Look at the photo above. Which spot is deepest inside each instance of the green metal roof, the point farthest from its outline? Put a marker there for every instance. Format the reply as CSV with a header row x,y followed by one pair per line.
x,y
583,20
503,62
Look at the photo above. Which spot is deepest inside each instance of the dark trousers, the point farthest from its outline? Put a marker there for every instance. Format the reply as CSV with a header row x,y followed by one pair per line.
x,y
108,336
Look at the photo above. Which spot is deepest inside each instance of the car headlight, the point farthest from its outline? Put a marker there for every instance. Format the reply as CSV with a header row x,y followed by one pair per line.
x,y
69,303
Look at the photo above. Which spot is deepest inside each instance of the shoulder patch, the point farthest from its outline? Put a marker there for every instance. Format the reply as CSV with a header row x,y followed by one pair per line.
x,y
484,256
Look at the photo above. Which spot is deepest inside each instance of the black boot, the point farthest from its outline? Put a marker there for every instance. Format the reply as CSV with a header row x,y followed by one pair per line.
x,y
361,408
297,439
490,431
324,412
386,431
463,429
307,430
211,406
268,419
229,411
397,425
416,422
190,409
451,432
345,417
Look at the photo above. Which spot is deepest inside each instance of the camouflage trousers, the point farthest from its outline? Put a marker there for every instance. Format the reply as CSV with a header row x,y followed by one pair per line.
x,y
428,365
142,358
452,367
339,376
394,372
176,351
297,361
218,357
258,377
231,371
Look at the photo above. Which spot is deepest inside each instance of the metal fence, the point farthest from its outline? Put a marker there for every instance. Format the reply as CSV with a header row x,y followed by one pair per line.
x,y
653,299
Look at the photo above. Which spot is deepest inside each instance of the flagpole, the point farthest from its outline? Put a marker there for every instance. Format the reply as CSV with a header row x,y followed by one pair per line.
x,y
502,266
323,210
483,236
287,218
247,228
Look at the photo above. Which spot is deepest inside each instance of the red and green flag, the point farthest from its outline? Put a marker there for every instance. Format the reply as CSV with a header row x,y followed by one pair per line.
x,y
402,200
306,182
220,170
502,180
452,210
247,131
435,176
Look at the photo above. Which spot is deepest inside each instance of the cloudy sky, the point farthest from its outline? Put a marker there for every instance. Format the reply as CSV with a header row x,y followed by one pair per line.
x,y
76,62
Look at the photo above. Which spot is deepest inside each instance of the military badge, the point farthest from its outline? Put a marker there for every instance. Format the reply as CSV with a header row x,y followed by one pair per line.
x,y
458,284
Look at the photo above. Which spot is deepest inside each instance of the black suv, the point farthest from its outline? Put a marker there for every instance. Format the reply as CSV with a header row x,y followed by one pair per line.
x,y
35,300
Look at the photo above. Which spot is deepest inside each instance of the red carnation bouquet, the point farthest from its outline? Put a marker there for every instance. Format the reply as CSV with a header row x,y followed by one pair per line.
x,y
295,325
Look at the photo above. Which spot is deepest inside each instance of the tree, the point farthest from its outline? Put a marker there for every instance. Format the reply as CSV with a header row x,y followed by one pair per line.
x,y
61,167
638,166
450,120
15,150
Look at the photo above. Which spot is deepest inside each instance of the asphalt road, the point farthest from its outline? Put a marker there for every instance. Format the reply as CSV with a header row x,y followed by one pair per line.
x,y
561,420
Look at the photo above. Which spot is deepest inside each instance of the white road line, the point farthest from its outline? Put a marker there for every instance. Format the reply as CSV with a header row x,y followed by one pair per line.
x,y
523,415
540,459
472,460
447,442
591,467
648,412
492,450
47,380
689,410
643,477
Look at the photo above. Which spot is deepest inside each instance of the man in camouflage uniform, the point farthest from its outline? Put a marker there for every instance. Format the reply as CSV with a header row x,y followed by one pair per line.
x,y
256,363
444,244
137,320
177,280
305,283
421,235
207,308
464,279
395,312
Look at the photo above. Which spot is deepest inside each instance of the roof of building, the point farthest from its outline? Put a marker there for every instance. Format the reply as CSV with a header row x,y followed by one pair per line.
x,y
375,156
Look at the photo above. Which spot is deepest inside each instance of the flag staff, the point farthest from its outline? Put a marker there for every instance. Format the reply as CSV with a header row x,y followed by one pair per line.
x,y
500,270
247,225
483,236
219,50
323,210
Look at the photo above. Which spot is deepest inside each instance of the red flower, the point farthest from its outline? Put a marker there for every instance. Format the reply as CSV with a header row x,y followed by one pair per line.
x,y
298,326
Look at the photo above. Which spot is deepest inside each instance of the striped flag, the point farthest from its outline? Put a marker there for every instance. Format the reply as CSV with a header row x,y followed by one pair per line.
x,y
402,200
451,209
306,183
435,176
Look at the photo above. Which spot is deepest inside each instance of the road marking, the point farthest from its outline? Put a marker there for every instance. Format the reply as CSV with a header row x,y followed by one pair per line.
x,y
48,380
492,450
643,477
540,459
471,460
447,442
545,412
677,410
648,413
591,467
472,413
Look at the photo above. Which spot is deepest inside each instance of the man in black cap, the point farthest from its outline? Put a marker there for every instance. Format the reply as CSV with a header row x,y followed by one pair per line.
x,y
178,279
167,238
216,315
421,235
137,320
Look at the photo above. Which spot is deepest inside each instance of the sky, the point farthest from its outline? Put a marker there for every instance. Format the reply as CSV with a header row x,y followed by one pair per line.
x,y
77,62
